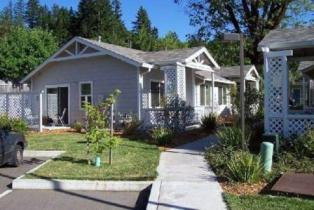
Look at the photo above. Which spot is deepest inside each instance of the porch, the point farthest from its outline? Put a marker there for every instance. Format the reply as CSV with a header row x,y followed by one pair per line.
x,y
288,88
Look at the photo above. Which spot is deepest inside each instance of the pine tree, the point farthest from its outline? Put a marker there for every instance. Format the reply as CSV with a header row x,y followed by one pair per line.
x,y
19,12
33,13
120,34
61,23
144,35
6,20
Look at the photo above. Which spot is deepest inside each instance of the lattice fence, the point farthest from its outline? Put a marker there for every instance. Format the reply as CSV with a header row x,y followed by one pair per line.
x,y
21,105
299,125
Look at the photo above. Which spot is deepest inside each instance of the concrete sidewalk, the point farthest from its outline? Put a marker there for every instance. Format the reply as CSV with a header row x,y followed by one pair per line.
x,y
185,181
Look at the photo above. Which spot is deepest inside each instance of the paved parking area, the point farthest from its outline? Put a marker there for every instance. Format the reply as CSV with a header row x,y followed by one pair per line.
x,y
68,200
8,173
60,199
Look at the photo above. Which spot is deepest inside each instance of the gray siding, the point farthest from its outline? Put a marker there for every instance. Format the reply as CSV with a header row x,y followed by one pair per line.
x,y
106,73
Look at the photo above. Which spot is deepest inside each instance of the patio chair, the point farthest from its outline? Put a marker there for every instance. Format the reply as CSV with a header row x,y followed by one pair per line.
x,y
61,118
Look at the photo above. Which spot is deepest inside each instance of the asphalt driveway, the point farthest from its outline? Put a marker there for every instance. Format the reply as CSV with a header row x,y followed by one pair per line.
x,y
68,200
8,173
60,199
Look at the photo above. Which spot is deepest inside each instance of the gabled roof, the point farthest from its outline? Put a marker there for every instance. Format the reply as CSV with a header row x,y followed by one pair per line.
x,y
234,71
134,57
280,39
305,65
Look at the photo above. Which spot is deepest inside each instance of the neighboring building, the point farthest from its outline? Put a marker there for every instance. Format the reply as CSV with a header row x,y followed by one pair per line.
x,y
88,70
9,87
289,108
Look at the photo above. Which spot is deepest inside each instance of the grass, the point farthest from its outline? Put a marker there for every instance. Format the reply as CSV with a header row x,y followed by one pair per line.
x,y
132,160
264,202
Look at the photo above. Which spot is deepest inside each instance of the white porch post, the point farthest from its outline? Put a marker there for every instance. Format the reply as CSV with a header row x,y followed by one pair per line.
x,y
175,81
213,92
140,94
193,88
41,111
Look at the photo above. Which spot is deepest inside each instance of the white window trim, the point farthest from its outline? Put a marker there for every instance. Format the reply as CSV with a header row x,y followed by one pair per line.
x,y
149,94
80,93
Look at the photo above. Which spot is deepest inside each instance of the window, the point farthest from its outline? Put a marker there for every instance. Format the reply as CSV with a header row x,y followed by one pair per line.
x,y
156,93
86,94
205,94
222,95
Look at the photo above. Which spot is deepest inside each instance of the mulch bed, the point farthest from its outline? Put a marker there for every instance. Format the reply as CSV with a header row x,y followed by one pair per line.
x,y
243,188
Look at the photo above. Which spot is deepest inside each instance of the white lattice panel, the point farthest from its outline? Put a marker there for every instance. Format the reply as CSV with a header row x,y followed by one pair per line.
x,y
299,125
275,85
170,81
181,89
276,125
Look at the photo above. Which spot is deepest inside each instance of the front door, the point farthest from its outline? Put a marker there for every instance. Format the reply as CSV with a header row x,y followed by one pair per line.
x,y
58,104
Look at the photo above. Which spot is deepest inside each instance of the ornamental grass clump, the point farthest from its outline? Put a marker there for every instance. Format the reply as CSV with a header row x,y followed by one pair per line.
x,y
209,122
232,137
244,167
162,136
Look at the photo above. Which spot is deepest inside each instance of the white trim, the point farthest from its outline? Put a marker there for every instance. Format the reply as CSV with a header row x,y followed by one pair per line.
x,y
78,56
82,52
69,98
199,66
91,94
67,51
254,70
279,53
199,52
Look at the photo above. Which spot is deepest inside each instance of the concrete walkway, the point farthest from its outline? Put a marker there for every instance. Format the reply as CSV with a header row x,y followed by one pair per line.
x,y
185,181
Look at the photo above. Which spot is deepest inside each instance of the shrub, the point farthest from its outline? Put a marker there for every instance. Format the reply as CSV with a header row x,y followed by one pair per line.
x,y
304,144
77,126
131,127
244,167
209,122
231,137
162,136
12,124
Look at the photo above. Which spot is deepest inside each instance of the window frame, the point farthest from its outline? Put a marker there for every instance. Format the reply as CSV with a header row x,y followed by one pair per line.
x,y
83,95
207,97
150,92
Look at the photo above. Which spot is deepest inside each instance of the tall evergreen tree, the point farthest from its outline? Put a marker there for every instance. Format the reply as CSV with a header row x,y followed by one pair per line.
x,y
144,35
19,12
120,34
33,13
170,41
6,19
61,23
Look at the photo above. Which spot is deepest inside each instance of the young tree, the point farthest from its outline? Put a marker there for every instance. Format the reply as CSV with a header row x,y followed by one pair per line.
x,y
144,35
22,49
252,18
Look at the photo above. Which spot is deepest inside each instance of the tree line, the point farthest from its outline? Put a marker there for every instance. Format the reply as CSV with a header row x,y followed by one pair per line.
x,y
30,32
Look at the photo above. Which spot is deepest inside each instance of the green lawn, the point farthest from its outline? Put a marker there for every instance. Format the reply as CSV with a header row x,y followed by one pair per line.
x,y
132,160
265,202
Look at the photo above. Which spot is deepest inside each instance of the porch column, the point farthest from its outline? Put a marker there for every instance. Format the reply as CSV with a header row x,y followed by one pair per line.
x,y
213,92
140,94
276,92
175,81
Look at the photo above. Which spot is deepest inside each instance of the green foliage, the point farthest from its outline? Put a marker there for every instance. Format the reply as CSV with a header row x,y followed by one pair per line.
x,y
132,126
12,124
144,34
244,167
232,137
21,50
304,144
162,136
209,122
77,126
170,42
97,138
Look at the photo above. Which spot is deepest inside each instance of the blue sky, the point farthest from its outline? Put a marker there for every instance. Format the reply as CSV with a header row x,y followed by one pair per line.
x,y
164,14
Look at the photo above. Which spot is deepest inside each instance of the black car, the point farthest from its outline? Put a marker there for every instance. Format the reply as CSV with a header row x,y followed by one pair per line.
x,y
12,145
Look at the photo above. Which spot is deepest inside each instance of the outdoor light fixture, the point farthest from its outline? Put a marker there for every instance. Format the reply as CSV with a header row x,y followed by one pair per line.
x,y
239,37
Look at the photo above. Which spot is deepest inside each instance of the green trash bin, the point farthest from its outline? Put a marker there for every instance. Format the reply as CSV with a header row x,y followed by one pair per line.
x,y
267,149
272,138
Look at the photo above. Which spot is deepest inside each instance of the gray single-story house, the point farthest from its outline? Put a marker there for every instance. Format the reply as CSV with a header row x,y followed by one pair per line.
x,y
88,70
